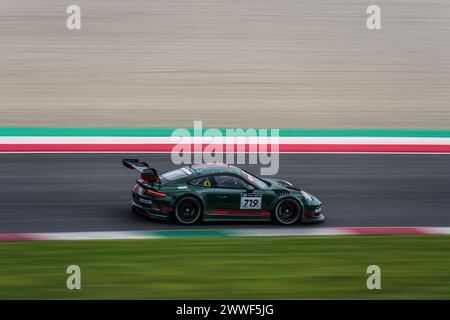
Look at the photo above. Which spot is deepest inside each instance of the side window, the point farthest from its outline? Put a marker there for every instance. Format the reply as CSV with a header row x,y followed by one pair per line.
x,y
205,182
229,182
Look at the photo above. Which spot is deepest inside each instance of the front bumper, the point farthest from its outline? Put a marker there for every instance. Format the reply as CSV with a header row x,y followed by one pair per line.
x,y
313,214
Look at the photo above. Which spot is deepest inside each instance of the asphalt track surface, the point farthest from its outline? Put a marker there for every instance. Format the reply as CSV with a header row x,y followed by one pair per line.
x,y
91,192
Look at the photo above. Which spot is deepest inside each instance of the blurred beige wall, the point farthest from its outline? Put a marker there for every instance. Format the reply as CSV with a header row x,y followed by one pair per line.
x,y
233,63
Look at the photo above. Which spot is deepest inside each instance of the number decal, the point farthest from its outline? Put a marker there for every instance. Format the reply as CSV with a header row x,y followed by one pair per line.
x,y
251,201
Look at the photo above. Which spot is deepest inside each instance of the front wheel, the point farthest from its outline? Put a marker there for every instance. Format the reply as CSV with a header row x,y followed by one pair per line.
x,y
188,210
287,212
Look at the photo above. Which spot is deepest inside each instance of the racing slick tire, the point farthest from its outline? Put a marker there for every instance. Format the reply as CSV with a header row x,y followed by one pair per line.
x,y
188,210
287,212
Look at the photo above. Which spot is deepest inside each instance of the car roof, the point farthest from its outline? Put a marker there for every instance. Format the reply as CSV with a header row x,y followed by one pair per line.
x,y
214,168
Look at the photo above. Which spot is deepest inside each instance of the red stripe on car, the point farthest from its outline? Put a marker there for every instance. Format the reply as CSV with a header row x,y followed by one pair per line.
x,y
241,212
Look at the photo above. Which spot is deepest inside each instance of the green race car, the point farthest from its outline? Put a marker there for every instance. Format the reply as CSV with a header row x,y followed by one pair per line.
x,y
219,192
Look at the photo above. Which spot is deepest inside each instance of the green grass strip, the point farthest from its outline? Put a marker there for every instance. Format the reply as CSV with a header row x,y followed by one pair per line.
x,y
412,267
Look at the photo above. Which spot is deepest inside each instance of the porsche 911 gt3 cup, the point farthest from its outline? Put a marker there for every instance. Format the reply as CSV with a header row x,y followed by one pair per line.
x,y
219,192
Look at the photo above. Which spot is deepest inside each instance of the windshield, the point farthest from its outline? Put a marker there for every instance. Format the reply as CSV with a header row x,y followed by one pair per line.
x,y
255,180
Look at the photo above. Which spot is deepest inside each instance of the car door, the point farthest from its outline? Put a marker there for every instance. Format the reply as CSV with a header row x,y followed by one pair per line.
x,y
236,199
204,187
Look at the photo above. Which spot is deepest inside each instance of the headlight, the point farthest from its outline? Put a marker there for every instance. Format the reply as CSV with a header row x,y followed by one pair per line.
x,y
307,195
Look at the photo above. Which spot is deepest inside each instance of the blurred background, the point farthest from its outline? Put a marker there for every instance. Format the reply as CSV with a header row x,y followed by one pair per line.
x,y
235,63
300,64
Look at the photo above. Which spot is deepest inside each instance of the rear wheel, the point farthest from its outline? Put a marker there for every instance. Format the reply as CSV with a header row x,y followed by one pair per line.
x,y
287,212
188,210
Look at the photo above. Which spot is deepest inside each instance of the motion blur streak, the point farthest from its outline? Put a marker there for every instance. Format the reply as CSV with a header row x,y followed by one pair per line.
x,y
91,192
277,64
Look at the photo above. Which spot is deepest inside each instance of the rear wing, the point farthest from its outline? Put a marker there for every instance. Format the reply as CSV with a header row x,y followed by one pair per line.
x,y
148,174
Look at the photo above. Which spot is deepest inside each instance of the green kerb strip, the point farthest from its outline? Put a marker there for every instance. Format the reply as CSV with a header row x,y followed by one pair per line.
x,y
80,132
190,233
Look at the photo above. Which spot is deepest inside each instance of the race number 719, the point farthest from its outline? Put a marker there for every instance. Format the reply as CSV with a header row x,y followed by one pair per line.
x,y
251,201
